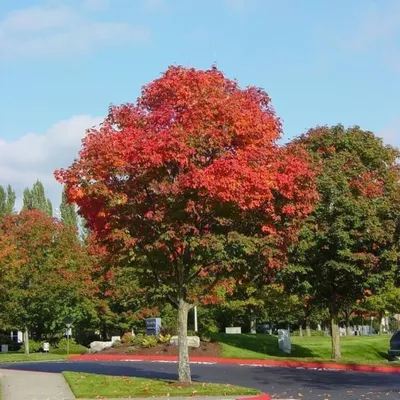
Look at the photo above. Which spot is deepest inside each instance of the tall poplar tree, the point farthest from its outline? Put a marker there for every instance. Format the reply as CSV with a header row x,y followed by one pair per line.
x,y
7,200
68,213
35,199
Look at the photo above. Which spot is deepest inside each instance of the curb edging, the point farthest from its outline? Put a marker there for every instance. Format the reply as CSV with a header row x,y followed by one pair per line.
x,y
243,362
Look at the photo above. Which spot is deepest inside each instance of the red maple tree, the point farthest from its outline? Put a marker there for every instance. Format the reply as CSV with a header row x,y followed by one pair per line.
x,y
190,185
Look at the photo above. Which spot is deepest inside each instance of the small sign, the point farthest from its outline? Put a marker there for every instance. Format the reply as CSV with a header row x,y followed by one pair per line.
x,y
153,326
46,347
68,332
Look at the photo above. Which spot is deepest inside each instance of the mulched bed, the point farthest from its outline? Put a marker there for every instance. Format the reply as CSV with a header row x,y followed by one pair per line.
x,y
205,350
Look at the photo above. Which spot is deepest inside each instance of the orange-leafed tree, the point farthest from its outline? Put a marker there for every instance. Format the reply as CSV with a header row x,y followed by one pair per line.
x,y
45,275
190,186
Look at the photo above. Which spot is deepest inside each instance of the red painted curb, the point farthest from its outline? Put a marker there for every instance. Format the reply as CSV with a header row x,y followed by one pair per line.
x,y
267,363
261,397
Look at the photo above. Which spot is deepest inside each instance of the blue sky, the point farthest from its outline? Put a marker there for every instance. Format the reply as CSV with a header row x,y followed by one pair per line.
x,y
63,62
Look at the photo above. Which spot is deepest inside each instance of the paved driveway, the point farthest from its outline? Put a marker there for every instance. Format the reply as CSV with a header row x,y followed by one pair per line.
x,y
283,383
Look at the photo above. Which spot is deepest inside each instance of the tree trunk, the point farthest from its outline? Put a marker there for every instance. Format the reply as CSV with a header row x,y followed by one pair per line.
x,y
308,328
380,323
335,335
184,375
26,341
301,331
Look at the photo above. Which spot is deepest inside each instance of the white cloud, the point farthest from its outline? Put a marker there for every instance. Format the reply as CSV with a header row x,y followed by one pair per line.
x,y
60,30
36,156
378,29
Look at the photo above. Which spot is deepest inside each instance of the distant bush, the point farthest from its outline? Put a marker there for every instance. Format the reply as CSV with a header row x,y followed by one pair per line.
x,y
205,337
138,339
127,337
169,330
34,347
117,343
74,348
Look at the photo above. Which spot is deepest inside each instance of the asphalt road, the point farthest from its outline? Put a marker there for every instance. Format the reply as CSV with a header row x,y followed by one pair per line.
x,y
282,383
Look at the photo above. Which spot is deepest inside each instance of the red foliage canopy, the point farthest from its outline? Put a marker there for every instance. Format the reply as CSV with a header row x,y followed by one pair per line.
x,y
195,156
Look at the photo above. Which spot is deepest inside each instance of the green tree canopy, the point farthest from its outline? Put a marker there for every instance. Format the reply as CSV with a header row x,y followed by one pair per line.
x,y
68,213
350,243
35,199
7,200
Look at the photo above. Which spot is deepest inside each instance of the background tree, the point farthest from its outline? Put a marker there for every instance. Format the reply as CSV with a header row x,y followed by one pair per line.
x,y
7,200
35,199
45,274
352,237
386,299
68,213
189,186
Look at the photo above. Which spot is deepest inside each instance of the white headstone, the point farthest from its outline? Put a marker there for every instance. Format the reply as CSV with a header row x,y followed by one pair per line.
x,y
284,341
233,330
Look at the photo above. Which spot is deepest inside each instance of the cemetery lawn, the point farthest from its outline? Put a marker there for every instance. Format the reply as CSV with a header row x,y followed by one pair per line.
x,y
91,386
355,349
34,357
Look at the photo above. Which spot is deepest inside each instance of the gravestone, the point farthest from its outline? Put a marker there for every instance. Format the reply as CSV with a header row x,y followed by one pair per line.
x,y
233,330
284,341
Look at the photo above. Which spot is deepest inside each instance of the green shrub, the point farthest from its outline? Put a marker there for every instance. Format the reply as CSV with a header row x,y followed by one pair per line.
x,y
117,343
131,350
169,330
149,341
191,333
127,337
205,337
34,347
74,348
138,339
164,338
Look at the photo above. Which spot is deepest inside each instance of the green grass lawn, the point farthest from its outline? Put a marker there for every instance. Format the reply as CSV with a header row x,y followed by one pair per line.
x,y
91,386
20,357
355,349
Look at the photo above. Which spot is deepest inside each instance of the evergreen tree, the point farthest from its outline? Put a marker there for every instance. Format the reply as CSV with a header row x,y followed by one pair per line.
x,y
7,200
27,203
68,213
10,202
35,199
3,199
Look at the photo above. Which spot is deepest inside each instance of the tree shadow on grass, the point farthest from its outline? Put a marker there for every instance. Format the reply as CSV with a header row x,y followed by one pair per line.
x,y
266,345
